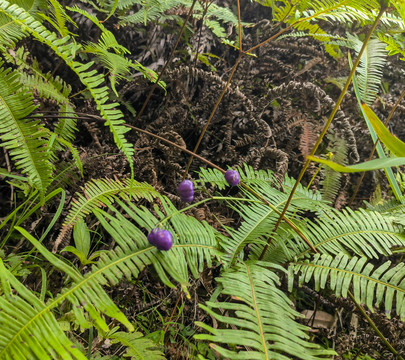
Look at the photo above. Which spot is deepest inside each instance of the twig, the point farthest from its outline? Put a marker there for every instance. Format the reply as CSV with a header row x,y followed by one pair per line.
x,y
325,129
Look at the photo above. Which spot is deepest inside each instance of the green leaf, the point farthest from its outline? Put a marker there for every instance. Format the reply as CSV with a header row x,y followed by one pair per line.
x,y
82,257
257,317
396,146
81,236
390,175
138,347
375,164
370,285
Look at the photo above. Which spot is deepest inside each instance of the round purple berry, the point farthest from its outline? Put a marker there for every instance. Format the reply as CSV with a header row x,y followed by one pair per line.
x,y
232,177
186,191
162,239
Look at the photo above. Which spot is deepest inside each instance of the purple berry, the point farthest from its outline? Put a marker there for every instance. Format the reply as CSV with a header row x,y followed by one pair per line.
x,y
186,191
162,239
152,237
232,177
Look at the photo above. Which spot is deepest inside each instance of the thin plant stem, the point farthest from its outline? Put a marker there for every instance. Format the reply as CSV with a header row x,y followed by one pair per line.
x,y
326,127
212,114
91,330
168,217
375,328
295,24
172,314
241,53
375,146
239,29
207,5
247,188
166,64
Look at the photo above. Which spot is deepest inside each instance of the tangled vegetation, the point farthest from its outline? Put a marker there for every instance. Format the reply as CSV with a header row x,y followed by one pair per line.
x,y
197,179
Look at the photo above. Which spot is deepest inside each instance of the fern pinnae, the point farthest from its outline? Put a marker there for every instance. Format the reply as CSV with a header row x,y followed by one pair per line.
x,y
24,138
370,68
37,334
66,48
102,192
361,232
331,181
262,319
370,285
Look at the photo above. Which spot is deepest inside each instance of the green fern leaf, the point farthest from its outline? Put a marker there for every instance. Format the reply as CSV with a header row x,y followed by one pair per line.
x,y
24,138
38,338
138,347
258,219
370,69
361,232
331,181
10,33
194,245
66,48
85,293
261,317
246,174
370,286
102,192
58,18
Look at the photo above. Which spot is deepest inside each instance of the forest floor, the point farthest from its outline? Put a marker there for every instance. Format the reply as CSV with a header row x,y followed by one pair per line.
x,y
269,118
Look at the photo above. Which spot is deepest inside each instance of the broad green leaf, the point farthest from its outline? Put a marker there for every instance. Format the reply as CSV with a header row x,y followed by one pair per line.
x,y
388,171
79,254
396,146
81,236
365,166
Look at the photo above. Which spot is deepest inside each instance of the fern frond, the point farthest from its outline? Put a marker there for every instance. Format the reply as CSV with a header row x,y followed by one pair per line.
x,y
66,128
124,4
370,286
260,319
370,69
102,192
246,174
11,33
85,293
331,182
194,245
138,346
327,6
66,49
155,9
308,11
391,206
361,232
39,338
318,34
197,240
58,18
151,11
349,14
25,139
54,88
118,66
394,45
258,219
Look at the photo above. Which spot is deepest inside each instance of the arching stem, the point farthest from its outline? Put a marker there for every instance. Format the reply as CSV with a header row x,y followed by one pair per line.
x,y
325,129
